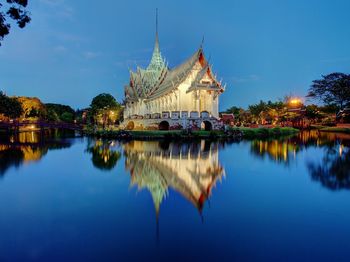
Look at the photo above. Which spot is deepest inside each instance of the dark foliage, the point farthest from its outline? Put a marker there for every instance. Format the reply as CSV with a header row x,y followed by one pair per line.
x,y
15,10
9,106
332,89
103,101
58,112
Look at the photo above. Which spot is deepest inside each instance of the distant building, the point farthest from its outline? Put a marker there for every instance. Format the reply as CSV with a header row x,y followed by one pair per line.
x,y
343,116
227,119
186,96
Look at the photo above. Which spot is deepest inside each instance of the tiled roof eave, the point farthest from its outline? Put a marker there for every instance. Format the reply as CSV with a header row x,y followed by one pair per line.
x,y
204,87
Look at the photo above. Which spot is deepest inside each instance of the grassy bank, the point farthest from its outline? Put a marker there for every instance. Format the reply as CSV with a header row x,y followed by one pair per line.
x,y
335,129
262,132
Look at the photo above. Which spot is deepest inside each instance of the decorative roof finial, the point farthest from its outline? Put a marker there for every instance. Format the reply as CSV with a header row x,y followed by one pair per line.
x,y
202,42
157,62
156,20
157,41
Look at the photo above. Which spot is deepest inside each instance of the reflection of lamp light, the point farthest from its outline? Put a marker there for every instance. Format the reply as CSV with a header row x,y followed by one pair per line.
x,y
32,127
340,150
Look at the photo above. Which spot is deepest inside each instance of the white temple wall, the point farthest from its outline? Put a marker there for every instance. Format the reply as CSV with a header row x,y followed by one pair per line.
x,y
187,102
215,111
179,99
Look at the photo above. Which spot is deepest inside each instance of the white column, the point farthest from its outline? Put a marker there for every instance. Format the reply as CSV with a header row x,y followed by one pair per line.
x,y
178,100
199,101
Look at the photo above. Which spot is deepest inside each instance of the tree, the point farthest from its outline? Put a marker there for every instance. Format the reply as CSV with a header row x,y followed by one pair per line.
x,y
105,107
332,88
52,115
312,112
329,108
103,101
10,106
32,107
256,109
58,112
17,12
233,110
67,117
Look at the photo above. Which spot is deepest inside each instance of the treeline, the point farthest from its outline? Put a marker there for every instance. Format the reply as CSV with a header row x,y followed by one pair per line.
x,y
30,108
332,91
103,110
276,112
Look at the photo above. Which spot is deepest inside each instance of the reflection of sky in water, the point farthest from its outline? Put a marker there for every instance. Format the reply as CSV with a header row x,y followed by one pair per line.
x,y
82,202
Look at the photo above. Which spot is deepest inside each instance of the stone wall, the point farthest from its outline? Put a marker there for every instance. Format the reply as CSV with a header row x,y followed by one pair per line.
x,y
204,122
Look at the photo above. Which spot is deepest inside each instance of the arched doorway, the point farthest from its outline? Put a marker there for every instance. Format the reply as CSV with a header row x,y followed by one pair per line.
x,y
164,125
206,125
130,125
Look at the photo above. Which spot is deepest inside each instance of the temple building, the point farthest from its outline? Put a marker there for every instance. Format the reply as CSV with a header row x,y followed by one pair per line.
x,y
186,96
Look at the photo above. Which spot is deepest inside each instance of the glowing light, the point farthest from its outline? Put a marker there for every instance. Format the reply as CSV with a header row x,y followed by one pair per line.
x,y
340,150
295,101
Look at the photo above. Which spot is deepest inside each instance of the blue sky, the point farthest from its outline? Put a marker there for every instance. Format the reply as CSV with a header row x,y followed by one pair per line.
x,y
74,50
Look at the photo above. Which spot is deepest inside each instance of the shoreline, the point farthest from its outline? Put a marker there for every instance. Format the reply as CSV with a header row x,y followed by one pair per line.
x,y
232,133
333,129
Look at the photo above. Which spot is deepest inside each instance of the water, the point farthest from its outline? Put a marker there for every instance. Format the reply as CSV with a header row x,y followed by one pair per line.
x,y
79,199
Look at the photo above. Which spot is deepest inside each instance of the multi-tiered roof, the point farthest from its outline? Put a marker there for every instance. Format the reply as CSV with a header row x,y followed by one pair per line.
x,y
158,79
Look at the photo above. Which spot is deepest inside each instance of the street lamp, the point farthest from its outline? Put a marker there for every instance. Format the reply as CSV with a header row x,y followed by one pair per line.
x,y
295,101
295,106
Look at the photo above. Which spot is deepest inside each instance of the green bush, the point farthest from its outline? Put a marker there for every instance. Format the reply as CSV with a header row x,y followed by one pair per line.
x,y
67,117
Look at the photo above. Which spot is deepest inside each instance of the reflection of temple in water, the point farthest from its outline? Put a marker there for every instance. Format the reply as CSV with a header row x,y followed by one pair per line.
x,y
191,169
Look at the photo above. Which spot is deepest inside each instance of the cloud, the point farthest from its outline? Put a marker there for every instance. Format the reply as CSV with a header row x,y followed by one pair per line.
x,y
240,79
51,2
60,48
135,52
91,54
61,8
131,63
66,12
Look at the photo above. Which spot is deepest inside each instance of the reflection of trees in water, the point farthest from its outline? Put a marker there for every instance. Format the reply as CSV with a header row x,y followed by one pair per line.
x,y
279,151
334,169
191,169
104,156
284,150
26,147
10,157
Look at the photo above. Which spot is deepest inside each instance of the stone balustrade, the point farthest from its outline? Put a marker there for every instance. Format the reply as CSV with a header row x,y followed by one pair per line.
x,y
173,115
